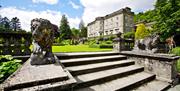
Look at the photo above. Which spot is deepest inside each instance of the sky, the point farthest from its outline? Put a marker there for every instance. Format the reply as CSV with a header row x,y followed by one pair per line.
x,y
75,10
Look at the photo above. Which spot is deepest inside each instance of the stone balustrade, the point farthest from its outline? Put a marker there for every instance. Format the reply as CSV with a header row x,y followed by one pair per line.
x,y
13,43
162,65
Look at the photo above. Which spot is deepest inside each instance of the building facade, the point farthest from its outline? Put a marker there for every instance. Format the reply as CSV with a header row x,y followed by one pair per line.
x,y
118,21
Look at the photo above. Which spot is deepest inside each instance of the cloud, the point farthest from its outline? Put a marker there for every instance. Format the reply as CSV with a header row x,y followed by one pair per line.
x,y
46,1
75,6
26,16
102,7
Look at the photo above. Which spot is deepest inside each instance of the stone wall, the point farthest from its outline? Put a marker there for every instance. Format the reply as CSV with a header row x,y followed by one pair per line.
x,y
15,43
162,65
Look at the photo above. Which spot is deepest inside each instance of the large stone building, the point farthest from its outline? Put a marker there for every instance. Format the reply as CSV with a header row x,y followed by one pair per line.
x,y
118,21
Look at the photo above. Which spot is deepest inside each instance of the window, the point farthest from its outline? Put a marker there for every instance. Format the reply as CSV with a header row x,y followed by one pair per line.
x,y
111,31
116,24
117,30
106,32
117,18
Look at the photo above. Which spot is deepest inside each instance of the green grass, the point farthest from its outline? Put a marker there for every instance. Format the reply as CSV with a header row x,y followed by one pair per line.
x,y
177,52
77,48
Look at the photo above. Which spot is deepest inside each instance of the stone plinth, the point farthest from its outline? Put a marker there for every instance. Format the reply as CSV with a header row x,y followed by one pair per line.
x,y
162,65
29,76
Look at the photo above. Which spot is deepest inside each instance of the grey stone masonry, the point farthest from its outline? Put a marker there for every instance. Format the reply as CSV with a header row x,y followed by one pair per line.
x,y
162,65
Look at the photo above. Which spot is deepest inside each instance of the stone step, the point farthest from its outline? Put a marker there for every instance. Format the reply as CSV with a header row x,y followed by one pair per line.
x,y
122,84
66,85
90,60
154,85
106,75
29,76
84,69
83,54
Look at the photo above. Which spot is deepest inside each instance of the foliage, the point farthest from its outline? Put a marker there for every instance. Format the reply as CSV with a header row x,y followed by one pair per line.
x,y
148,16
112,37
66,42
65,28
15,24
129,34
94,46
8,65
108,42
75,35
168,17
141,31
83,29
106,46
176,51
10,26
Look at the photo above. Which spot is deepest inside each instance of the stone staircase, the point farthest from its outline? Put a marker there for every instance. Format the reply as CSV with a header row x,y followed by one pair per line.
x,y
109,71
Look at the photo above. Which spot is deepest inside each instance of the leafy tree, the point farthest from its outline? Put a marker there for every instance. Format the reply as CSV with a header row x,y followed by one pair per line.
x,y
84,32
168,17
141,31
15,24
148,16
65,28
5,23
81,24
83,29
75,35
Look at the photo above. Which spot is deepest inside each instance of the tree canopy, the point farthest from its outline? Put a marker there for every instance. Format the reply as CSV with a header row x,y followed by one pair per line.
x,y
83,29
168,17
65,30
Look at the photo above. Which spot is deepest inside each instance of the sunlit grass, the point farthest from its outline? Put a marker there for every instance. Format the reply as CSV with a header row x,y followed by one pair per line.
x,y
77,48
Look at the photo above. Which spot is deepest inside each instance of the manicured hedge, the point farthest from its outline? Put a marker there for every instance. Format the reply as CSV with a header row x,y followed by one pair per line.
x,y
106,46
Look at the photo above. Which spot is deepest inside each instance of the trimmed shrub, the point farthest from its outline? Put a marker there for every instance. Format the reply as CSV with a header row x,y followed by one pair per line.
x,y
141,31
108,42
112,37
106,46
129,34
94,46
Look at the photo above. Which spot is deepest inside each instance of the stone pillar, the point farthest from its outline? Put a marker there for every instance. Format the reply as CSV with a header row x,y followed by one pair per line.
x,y
118,43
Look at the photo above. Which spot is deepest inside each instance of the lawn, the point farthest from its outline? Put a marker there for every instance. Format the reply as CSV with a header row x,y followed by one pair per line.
x,y
78,48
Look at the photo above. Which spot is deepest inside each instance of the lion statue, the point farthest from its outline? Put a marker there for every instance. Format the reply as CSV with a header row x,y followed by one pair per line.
x,y
43,38
149,43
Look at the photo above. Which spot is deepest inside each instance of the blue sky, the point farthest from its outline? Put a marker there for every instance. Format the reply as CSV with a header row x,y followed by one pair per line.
x,y
75,10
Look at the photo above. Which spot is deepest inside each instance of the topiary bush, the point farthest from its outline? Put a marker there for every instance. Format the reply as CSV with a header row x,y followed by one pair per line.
x,y
8,65
141,31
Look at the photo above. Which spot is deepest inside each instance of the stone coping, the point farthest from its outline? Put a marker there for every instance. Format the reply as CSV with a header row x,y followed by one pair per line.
x,y
29,75
159,56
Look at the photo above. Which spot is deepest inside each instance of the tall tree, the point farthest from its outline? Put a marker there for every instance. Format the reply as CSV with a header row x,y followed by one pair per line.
x,y
65,30
83,29
5,23
75,35
81,24
15,24
168,20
